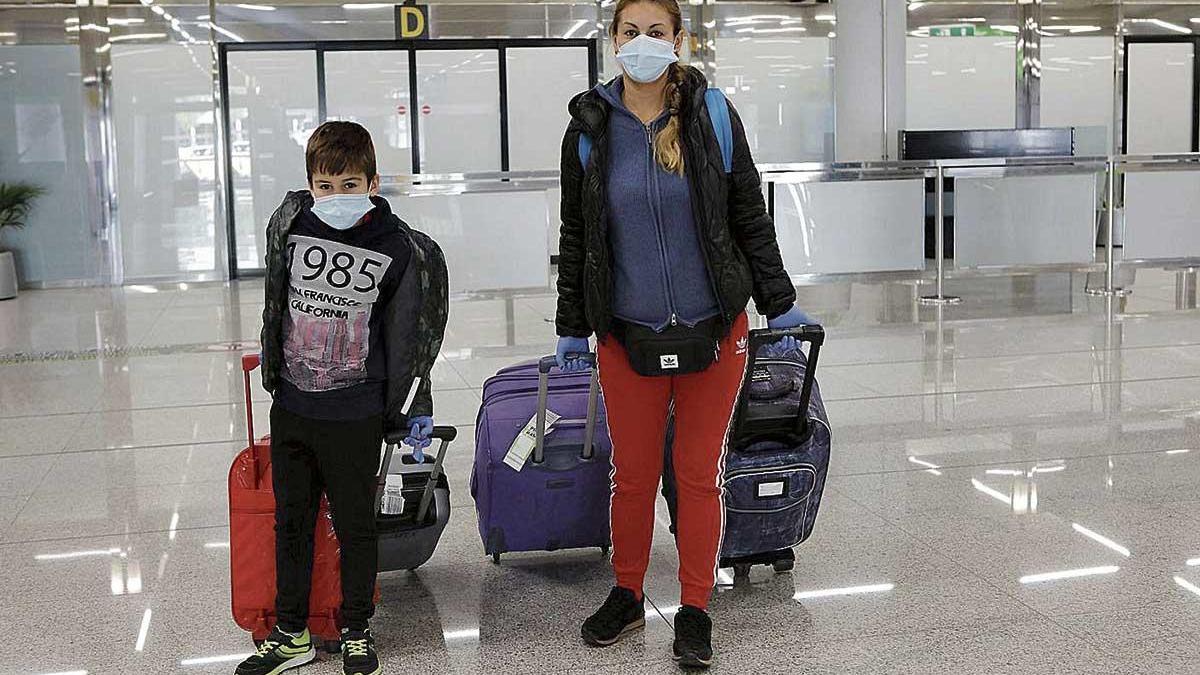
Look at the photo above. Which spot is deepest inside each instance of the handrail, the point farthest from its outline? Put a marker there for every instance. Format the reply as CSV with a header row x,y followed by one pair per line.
x,y
550,175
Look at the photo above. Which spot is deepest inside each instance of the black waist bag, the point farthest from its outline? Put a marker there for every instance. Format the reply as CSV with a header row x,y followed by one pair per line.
x,y
678,350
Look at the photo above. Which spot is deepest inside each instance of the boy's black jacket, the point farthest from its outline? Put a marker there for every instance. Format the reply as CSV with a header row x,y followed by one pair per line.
x,y
414,319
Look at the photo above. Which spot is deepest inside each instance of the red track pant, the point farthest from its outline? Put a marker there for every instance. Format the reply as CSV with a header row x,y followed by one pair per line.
x,y
637,422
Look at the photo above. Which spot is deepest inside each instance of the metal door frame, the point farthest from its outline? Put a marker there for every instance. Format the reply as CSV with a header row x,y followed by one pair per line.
x,y
320,48
1193,40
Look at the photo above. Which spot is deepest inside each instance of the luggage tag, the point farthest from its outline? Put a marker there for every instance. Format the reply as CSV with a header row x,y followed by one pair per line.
x,y
393,495
522,447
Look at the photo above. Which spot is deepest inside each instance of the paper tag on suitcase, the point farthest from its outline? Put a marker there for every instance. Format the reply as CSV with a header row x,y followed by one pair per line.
x,y
393,495
526,441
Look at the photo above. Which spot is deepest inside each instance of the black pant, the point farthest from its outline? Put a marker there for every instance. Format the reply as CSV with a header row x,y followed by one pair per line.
x,y
341,458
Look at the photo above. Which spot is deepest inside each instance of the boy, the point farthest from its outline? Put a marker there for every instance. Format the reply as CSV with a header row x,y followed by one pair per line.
x,y
356,306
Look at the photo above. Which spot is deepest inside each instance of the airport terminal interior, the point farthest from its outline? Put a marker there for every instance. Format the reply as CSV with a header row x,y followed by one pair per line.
x,y
992,208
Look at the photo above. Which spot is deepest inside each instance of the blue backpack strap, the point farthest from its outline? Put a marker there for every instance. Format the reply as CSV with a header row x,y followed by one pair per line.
x,y
718,113
585,150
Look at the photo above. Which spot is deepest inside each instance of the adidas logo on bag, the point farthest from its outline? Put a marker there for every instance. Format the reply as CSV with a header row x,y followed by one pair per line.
x,y
742,344
669,362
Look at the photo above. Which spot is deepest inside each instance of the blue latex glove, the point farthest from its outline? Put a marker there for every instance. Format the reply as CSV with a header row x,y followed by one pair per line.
x,y
419,435
572,345
779,350
793,318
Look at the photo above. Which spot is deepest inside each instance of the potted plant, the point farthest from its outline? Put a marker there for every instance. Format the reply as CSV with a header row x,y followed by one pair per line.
x,y
16,200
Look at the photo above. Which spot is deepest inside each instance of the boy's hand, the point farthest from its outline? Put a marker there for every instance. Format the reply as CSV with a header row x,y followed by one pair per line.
x,y
418,435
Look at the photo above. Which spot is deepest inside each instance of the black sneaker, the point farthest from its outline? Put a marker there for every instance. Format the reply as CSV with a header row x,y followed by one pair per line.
x,y
620,614
279,652
693,638
358,653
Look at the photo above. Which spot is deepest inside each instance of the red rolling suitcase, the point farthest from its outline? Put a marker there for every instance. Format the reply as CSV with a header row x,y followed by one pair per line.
x,y
252,543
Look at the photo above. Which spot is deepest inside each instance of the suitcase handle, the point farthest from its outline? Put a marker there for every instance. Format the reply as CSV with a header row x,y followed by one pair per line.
x,y
249,363
759,338
445,434
589,434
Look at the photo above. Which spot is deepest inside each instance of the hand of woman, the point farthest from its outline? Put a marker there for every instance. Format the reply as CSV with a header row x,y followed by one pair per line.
x,y
572,347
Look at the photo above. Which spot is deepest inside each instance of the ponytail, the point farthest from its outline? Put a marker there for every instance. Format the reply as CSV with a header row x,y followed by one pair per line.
x,y
668,147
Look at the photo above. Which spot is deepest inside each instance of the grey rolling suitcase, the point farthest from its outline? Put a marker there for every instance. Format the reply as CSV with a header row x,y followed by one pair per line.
x,y
408,539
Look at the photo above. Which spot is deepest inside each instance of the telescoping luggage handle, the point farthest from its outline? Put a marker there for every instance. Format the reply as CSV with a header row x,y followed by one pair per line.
x,y
249,363
589,434
444,434
759,338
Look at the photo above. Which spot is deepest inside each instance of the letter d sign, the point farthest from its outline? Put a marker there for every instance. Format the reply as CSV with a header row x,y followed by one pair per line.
x,y
412,22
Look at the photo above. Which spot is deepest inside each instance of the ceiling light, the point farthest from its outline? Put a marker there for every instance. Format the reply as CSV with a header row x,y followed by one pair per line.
x,y
578,24
1164,24
205,660
1187,585
129,38
1069,574
77,554
989,491
227,33
257,8
143,631
835,592
1101,539
365,5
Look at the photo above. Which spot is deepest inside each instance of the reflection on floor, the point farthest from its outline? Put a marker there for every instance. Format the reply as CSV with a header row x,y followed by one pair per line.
x,y
1013,490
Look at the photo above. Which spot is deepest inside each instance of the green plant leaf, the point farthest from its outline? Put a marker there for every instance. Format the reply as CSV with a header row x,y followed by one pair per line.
x,y
16,201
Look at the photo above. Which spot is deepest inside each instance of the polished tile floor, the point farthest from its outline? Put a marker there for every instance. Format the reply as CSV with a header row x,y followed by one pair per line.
x,y
1013,490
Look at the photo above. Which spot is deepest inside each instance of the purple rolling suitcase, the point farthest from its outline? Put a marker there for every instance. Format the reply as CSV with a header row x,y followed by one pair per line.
x,y
559,499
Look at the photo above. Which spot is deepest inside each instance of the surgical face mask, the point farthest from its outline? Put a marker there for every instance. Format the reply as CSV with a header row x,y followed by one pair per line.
x,y
645,59
341,212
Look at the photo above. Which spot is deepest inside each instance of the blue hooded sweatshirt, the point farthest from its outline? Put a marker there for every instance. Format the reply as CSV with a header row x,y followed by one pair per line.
x,y
660,274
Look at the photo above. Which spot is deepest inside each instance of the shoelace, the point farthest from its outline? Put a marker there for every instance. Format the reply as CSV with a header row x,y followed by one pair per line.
x,y
355,647
267,647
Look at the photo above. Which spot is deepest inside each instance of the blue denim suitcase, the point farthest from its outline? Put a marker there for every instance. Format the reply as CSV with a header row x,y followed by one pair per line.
x,y
777,459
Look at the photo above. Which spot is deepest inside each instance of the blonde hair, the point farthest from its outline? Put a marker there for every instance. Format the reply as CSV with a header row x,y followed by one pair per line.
x,y
668,146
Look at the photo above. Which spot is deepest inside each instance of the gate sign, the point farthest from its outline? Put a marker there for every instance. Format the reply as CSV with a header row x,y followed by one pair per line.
x,y
412,22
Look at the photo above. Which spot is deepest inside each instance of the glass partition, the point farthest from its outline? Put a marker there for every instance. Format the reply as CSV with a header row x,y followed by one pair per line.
x,y
1159,102
849,226
1004,220
372,88
166,161
458,92
961,82
1160,215
541,82
273,110
41,142
783,91
493,237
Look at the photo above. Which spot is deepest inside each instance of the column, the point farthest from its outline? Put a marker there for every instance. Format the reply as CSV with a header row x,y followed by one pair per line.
x,y
1029,64
869,79
95,59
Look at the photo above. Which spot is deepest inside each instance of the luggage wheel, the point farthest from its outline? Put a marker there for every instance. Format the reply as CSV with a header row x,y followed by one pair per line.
x,y
332,646
784,565
741,570
496,558
604,550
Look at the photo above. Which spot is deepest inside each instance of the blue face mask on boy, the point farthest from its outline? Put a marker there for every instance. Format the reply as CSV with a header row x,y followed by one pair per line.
x,y
341,212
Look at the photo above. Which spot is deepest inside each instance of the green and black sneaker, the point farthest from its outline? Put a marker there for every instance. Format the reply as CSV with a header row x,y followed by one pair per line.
x,y
279,652
358,653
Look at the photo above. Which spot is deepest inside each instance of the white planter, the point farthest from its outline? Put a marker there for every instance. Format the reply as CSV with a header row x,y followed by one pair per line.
x,y
8,276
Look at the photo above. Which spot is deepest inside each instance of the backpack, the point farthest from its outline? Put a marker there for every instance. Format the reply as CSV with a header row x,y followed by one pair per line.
x,y
718,114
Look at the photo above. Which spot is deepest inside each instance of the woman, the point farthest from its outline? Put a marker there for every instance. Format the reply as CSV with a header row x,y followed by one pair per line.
x,y
660,252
